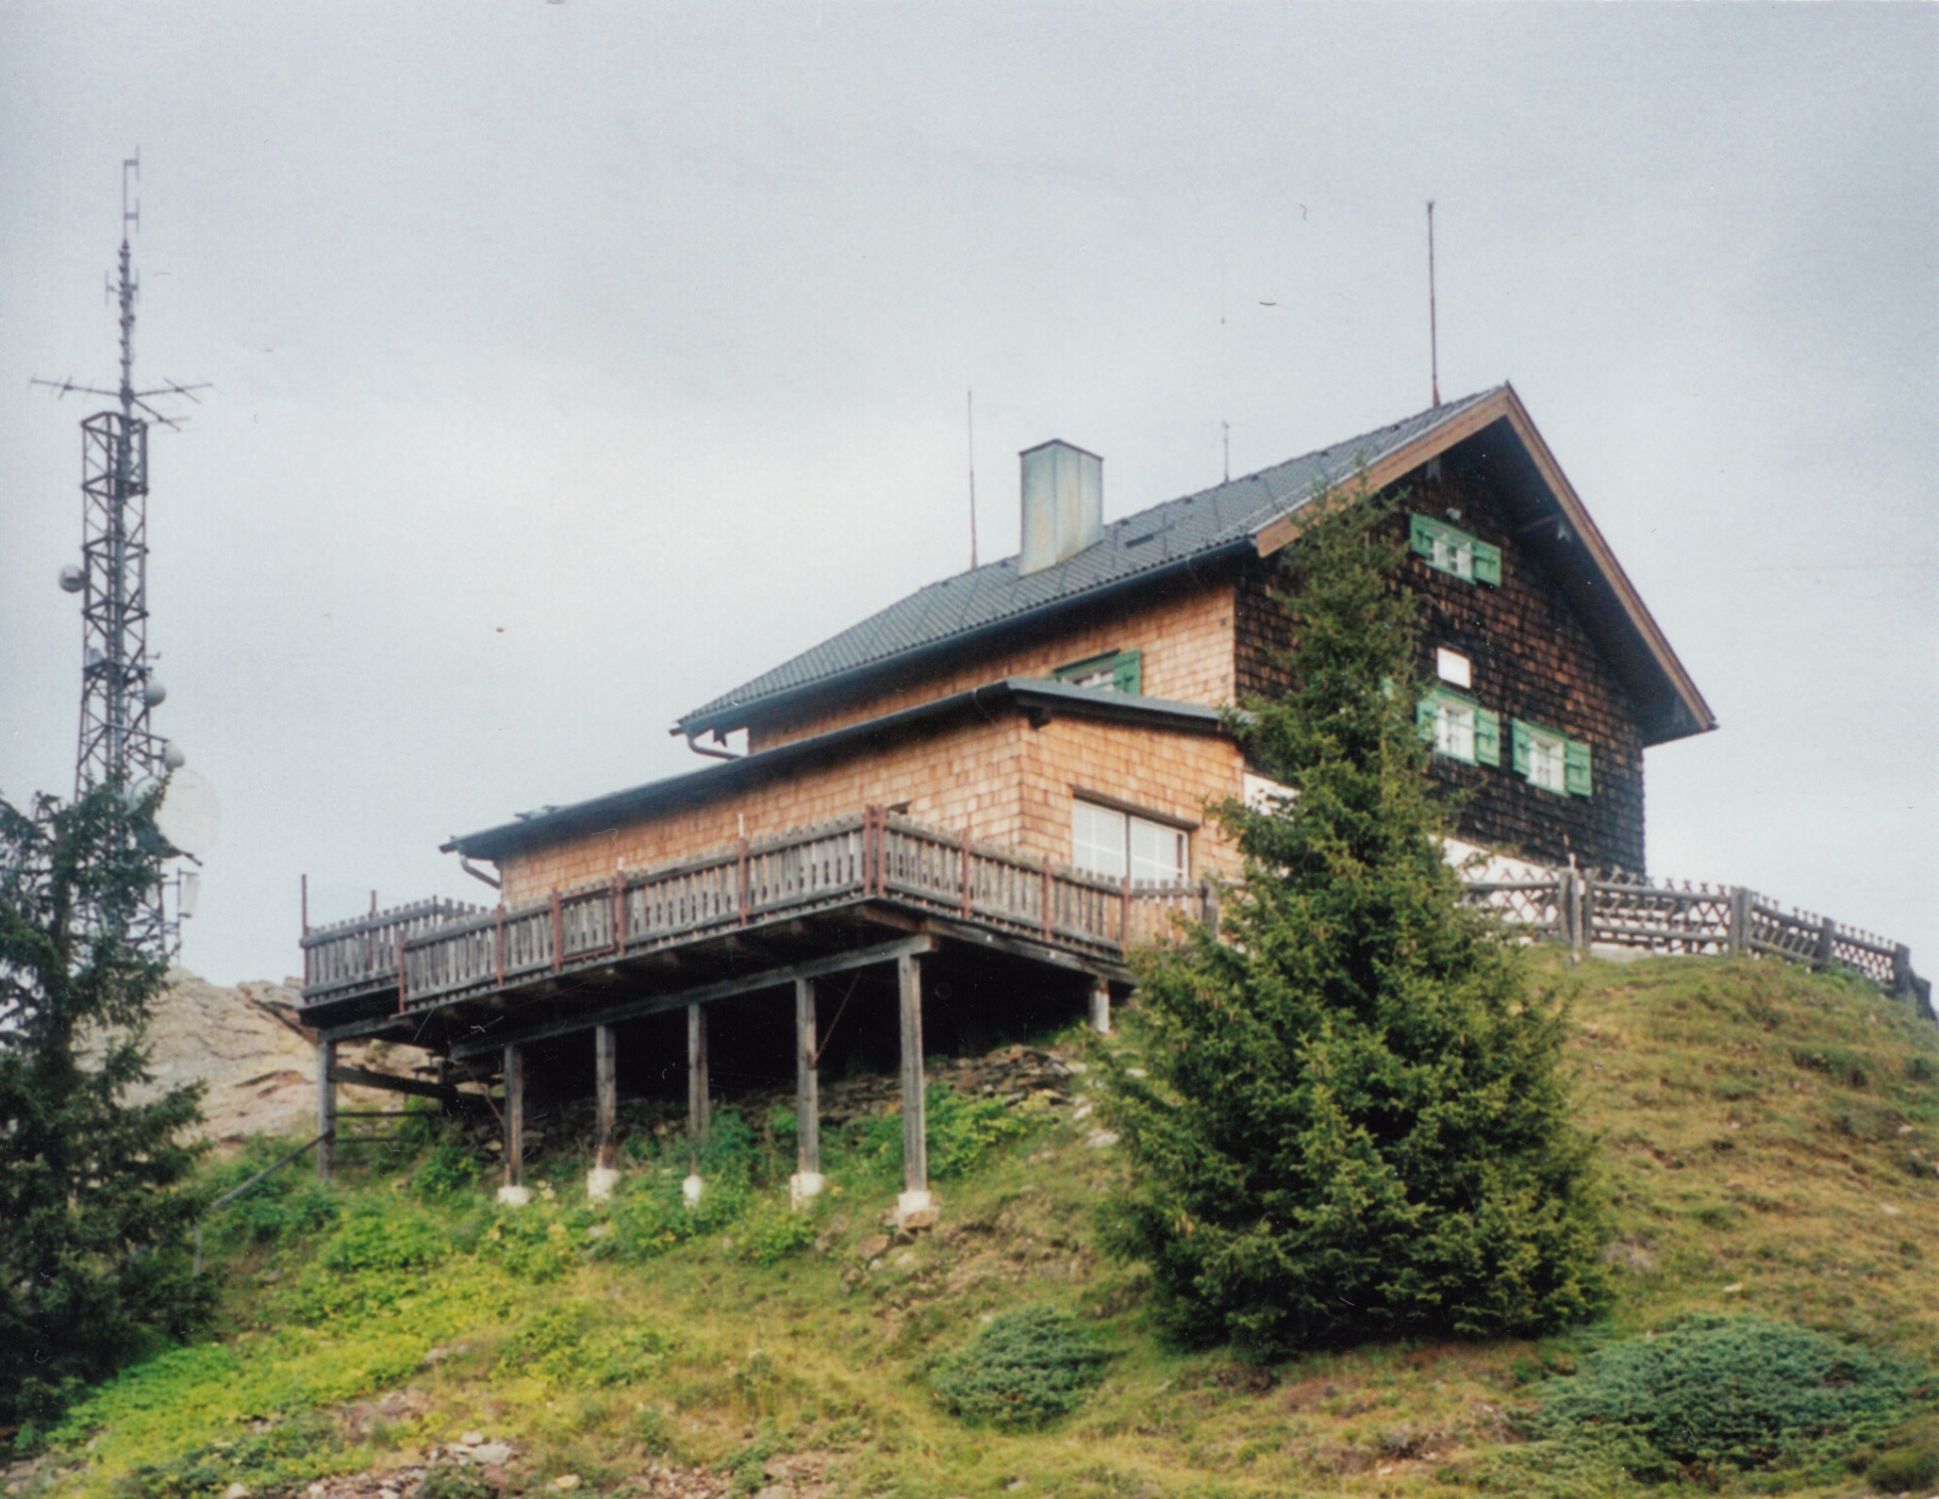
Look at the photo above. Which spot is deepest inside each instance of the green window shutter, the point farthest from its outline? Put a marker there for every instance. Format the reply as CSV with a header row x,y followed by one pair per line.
x,y
1518,746
1127,673
1424,716
1487,737
1575,768
1420,535
1487,564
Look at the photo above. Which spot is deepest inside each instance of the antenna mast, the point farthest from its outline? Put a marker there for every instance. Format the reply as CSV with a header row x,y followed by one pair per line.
x,y
1433,341
117,746
969,427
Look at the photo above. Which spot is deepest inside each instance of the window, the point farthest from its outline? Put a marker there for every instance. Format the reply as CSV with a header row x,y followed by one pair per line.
x,y
1452,667
1459,728
1451,550
1118,671
1118,844
1550,760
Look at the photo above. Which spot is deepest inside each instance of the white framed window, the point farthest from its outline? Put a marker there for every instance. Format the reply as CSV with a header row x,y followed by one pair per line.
x,y
1119,671
1459,728
1119,844
1454,729
1545,760
1552,761
1451,550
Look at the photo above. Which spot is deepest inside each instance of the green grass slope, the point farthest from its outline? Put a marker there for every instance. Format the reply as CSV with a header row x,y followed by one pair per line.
x,y
1771,1145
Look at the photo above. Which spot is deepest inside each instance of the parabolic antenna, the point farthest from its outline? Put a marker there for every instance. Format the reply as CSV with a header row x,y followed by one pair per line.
x,y
187,816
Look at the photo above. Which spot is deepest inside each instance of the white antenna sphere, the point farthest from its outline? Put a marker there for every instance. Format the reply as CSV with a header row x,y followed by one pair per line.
x,y
73,578
173,757
153,693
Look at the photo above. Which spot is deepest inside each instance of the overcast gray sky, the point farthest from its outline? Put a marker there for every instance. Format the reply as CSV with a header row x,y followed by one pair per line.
x,y
574,362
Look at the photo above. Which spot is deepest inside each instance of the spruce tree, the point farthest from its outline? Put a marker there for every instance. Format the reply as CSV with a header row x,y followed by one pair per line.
x,y
1350,1119
95,1203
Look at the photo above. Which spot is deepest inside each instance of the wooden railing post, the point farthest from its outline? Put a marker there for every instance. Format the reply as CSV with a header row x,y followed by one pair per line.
x,y
1902,972
403,978
1827,938
558,931
1740,899
1046,897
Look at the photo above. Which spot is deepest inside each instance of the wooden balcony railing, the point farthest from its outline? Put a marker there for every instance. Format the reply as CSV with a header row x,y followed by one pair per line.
x,y
435,953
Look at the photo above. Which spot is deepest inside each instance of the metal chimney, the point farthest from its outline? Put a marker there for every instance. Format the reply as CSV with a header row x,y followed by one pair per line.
x,y
1063,503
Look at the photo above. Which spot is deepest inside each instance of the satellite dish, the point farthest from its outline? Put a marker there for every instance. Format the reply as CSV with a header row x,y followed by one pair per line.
x,y
187,817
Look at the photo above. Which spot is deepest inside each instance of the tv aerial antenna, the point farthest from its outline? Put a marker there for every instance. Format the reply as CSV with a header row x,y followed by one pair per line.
x,y
118,745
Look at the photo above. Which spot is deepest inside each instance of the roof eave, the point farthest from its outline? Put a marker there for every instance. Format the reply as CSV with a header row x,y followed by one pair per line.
x,y
1041,698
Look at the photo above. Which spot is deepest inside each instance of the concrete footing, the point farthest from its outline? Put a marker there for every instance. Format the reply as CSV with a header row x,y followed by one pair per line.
x,y
600,1184
690,1188
514,1197
804,1187
917,1210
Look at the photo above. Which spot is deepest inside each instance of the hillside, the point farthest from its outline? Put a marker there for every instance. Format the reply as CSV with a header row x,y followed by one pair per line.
x,y
1772,1153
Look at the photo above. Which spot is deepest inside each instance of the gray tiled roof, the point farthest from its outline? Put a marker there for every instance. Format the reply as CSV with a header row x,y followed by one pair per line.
x,y
1191,527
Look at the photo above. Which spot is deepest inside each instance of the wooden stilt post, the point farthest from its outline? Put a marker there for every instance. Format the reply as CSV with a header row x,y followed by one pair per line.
x,y
1100,1006
915,1139
514,1192
697,1073
696,1096
807,1096
326,1108
604,1175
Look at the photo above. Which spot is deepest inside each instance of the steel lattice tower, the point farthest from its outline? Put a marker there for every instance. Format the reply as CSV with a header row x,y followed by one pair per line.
x,y
117,744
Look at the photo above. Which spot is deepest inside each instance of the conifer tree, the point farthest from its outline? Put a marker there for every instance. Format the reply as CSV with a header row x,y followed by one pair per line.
x,y
95,1207
1350,1118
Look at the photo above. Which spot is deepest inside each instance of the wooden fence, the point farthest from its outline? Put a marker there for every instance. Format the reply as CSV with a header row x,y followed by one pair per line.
x,y
1583,910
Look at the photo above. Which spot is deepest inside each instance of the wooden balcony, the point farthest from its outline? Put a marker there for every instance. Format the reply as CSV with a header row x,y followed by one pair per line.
x,y
871,868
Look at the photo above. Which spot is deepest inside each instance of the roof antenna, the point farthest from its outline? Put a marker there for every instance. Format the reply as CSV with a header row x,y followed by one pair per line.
x,y
1433,345
969,427
1225,430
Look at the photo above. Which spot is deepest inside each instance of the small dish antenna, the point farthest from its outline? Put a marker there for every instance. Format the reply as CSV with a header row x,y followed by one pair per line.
x,y
188,817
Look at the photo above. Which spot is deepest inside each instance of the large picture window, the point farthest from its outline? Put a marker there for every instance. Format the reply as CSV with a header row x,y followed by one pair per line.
x,y
1117,844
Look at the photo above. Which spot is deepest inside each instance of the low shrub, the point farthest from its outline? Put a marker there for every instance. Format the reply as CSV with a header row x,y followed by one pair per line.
x,y
1900,1470
962,1133
1714,1395
1025,1369
576,1344
279,1455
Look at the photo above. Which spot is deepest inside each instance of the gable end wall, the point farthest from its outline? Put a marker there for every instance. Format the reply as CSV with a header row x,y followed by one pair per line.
x,y
1532,660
